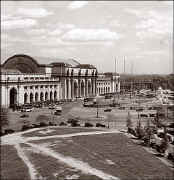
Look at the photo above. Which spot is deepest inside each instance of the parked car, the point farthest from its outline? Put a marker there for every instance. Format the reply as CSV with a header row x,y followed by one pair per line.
x,y
143,115
26,109
58,111
51,106
108,110
139,109
24,116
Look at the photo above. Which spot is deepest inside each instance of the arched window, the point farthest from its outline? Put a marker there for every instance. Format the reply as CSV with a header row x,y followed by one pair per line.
x,y
67,73
36,97
51,96
72,72
31,97
41,96
46,96
55,95
25,98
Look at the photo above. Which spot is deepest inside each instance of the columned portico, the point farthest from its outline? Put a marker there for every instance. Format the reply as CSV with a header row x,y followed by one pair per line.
x,y
33,82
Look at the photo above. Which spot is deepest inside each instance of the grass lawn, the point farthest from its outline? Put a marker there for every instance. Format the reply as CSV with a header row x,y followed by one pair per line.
x,y
51,169
115,154
12,167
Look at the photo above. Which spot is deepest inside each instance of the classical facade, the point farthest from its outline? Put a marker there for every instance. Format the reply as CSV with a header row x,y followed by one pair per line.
x,y
108,83
24,80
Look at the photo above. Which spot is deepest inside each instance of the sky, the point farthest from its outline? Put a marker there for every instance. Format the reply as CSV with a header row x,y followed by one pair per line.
x,y
92,32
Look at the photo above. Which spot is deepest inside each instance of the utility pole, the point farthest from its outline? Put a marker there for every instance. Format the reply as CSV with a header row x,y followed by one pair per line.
x,y
124,71
131,78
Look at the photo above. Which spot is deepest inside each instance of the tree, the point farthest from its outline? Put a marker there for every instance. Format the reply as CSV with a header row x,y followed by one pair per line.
x,y
148,133
129,123
4,117
139,130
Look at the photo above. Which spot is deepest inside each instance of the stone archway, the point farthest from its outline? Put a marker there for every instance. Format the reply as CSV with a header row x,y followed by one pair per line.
x,y
89,88
31,98
41,96
13,98
36,97
46,96
25,98
55,95
82,89
51,95
67,88
75,89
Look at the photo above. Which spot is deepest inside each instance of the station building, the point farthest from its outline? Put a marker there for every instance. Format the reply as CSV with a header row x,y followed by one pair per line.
x,y
24,80
108,83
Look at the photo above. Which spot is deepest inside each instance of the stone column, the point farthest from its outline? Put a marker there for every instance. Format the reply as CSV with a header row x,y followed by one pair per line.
x,y
72,88
69,89
79,87
65,90
86,87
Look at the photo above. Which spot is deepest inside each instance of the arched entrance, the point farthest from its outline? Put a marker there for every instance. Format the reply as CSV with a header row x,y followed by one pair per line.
x,y
31,97
51,96
41,96
36,97
89,88
67,89
46,96
13,98
75,89
25,98
55,95
82,89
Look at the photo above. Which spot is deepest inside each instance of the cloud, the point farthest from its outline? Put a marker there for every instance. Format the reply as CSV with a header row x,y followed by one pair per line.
x,y
55,32
64,26
155,24
114,23
33,12
77,4
135,12
18,24
90,35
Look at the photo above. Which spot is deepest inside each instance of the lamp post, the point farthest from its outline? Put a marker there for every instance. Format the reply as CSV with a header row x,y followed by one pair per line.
x,y
97,103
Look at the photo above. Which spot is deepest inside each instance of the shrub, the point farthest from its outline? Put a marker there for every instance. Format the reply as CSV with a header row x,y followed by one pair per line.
x,y
8,131
100,125
4,117
72,120
139,130
88,124
25,127
62,124
42,118
43,124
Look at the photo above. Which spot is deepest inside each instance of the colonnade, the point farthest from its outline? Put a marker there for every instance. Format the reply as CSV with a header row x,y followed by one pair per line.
x,y
30,96
79,87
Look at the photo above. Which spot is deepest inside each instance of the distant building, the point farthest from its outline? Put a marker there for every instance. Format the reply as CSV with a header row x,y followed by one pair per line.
x,y
108,83
130,82
24,80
